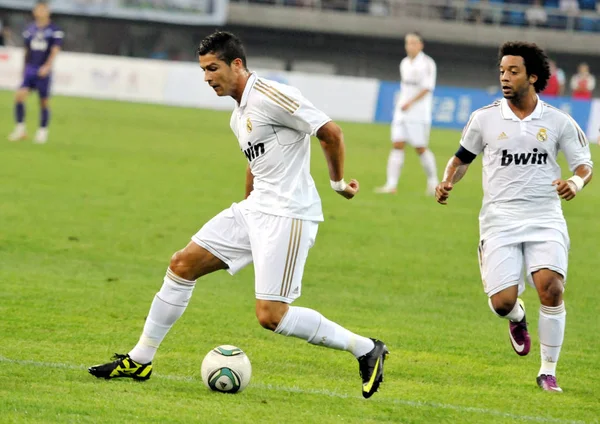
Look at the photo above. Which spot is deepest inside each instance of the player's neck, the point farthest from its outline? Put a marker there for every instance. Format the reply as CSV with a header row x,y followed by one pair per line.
x,y
41,23
524,106
237,95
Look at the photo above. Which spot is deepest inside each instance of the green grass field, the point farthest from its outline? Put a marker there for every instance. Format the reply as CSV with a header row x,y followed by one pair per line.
x,y
88,224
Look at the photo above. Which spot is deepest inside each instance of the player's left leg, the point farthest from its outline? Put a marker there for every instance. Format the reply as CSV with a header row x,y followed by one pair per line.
x,y
43,87
549,281
280,247
419,135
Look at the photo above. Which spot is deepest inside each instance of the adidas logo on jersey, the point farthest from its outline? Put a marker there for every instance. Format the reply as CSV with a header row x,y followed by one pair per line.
x,y
252,152
534,158
502,136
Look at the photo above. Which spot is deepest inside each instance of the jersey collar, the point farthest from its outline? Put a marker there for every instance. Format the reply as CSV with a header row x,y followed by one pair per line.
x,y
508,114
249,85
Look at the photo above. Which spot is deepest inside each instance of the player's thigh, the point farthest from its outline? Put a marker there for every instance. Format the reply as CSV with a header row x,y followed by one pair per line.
x,y
552,255
398,131
501,265
226,237
280,248
418,134
43,88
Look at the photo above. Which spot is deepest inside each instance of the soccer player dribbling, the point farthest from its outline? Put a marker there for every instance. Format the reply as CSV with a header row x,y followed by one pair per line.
x,y
274,226
522,226
43,41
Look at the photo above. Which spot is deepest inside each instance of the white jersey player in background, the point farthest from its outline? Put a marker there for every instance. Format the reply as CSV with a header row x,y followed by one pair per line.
x,y
412,115
521,221
274,227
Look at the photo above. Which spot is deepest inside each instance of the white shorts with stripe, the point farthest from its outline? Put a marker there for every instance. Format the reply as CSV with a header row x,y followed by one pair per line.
x,y
277,245
415,134
506,260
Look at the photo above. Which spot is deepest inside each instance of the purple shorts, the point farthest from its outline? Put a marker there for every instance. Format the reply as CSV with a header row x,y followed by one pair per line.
x,y
35,82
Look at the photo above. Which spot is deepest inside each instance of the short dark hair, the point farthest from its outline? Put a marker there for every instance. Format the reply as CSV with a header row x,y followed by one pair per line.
x,y
415,34
534,57
226,46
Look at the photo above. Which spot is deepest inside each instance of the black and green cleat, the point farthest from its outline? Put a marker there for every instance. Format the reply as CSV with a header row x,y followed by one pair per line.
x,y
371,368
122,366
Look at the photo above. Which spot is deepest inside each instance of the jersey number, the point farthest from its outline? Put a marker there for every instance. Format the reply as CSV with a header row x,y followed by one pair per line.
x,y
39,45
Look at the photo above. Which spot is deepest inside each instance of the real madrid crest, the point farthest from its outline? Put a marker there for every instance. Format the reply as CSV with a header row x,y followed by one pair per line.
x,y
249,126
542,135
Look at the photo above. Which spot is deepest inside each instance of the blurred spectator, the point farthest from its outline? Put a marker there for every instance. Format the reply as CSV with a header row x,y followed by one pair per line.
x,y
569,7
583,83
6,38
536,15
556,82
379,8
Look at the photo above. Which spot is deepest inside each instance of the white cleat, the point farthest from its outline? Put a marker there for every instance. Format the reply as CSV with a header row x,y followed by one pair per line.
x,y
430,189
385,190
18,134
41,136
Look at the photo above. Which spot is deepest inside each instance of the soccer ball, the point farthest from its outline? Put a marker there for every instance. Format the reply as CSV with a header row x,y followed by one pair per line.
x,y
226,369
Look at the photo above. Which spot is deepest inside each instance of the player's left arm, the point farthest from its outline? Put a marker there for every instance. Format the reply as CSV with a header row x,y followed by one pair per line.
x,y
47,66
249,182
576,149
428,85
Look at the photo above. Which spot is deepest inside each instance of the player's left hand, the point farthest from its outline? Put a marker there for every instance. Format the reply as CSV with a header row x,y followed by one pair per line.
x,y
565,189
351,190
44,71
406,106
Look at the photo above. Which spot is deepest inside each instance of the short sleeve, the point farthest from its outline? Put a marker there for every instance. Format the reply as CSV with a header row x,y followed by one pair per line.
x,y
27,35
287,107
429,76
573,143
57,37
471,138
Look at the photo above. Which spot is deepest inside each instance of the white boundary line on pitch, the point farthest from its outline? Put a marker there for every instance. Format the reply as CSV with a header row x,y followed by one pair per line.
x,y
411,403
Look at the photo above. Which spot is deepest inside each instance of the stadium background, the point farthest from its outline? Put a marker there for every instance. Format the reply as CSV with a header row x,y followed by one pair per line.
x,y
110,167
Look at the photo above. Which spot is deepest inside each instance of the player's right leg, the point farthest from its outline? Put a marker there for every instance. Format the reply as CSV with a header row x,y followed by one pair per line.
x,y
20,132
222,243
395,158
501,266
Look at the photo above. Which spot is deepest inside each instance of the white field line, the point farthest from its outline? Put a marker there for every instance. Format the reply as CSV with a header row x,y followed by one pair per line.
x,y
328,393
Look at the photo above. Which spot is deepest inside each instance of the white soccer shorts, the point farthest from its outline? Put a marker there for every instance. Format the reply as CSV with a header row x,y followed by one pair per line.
x,y
277,245
503,262
415,134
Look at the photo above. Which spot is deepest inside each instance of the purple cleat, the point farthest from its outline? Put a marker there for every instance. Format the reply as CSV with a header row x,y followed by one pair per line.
x,y
519,336
548,383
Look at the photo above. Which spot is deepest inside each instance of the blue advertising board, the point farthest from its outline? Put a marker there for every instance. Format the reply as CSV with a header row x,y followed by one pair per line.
x,y
452,106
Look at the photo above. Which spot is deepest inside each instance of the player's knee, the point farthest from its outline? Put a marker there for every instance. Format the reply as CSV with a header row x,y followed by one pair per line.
x,y
552,291
502,306
420,150
399,145
268,315
44,103
182,266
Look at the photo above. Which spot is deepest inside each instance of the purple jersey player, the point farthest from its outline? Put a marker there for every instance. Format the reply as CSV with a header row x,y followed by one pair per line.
x,y
43,41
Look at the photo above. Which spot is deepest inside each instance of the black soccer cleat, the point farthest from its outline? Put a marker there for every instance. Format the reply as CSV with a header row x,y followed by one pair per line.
x,y
371,368
122,366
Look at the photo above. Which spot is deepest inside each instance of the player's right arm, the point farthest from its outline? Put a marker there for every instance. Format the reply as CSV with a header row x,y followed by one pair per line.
x,y
471,144
27,40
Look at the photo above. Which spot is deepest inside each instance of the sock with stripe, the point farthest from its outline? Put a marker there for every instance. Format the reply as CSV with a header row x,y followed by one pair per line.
x,y
515,315
313,327
551,329
168,305
429,166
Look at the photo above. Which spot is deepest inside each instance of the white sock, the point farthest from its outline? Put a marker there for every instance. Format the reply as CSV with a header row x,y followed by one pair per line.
x,y
551,329
515,315
313,327
428,163
168,305
394,167
20,127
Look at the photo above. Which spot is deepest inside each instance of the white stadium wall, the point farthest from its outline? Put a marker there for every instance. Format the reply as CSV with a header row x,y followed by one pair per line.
x,y
181,84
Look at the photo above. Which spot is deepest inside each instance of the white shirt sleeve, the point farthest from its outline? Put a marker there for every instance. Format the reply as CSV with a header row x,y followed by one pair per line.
x,y
429,76
472,139
574,145
290,109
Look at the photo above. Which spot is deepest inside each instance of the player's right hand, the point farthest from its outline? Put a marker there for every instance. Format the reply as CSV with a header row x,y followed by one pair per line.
x,y
442,192
351,190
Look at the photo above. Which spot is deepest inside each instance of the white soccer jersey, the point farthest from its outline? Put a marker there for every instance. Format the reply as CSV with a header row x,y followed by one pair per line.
x,y
416,75
520,164
273,124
